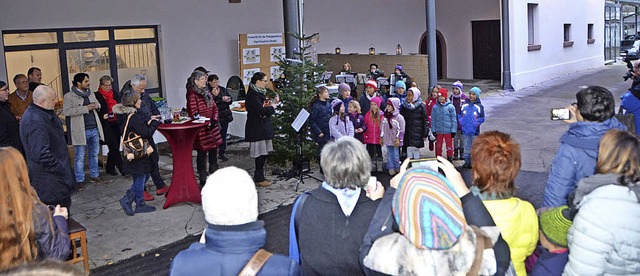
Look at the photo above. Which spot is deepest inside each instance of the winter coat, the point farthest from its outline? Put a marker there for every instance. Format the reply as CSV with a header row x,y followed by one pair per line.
x,y
518,225
345,101
227,249
18,106
457,103
550,264
443,118
259,125
372,134
339,128
393,129
224,112
365,102
358,122
138,126
208,138
471,117
416,128
54,244
605,238
74,110
109,129
46,154
575,159
147,108
631,104
319,120
9,128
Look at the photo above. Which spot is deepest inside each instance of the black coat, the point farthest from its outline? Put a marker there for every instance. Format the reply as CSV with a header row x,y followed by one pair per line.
x,y
47,156
319,120
416,128
9,128
110,130
224,112
138,126
259,125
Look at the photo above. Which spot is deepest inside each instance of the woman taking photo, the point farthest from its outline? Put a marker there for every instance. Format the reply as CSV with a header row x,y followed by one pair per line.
x,y
259,128
201,102
107,100
29,230
139,169
605,238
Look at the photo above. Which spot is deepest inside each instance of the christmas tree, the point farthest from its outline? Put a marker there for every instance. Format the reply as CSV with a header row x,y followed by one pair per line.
x,y
302,75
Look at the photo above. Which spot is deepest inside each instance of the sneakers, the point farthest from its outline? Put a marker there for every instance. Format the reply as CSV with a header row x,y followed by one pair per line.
x,y
392,172
148,196
126,202
163,190
263,183
97,180
144,208
223,157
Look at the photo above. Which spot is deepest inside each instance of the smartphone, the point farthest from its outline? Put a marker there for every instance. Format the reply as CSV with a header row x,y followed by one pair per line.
x,y
429,163
372,185
560,114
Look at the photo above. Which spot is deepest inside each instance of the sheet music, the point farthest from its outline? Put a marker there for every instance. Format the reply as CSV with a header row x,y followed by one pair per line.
x,y
300,119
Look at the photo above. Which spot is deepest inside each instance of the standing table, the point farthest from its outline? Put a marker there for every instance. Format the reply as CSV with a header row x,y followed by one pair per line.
x,y
184,187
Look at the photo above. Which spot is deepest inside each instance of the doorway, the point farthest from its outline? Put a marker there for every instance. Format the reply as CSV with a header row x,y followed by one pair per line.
x,y
441,52
486,49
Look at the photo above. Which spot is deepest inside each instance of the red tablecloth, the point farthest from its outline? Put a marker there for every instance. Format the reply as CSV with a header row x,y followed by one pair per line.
x,y
184,187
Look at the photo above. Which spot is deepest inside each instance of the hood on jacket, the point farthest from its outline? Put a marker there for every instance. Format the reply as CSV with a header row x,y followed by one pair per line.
x,y
122,109
589,184
586,135
395,102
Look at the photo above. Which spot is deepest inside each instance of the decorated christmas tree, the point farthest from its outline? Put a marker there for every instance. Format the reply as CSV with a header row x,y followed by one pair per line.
x,y
301,76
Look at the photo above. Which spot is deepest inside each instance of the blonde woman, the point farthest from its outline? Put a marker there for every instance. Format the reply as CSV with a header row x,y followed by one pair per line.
x,y
29,230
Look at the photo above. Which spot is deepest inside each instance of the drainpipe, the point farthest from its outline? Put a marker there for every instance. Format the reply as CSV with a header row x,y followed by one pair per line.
x,y
290,11
506,50
431,42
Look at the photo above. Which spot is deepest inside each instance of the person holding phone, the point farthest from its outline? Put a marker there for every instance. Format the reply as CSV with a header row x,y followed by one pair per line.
x,y
107,99
30,230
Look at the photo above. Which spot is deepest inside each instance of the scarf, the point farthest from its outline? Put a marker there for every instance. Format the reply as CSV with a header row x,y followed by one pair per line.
x,y
204,92
490,196
413,105
83,94
257,89
389,116
347,198
108,97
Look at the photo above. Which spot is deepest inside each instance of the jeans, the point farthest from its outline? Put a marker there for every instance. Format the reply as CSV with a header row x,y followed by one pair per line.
x,y
224,128
138,185
93,143
413,153
458,141
393,158
468,142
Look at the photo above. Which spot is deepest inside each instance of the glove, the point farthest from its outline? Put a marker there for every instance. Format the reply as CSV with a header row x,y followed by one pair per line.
x,y
453,135
213,124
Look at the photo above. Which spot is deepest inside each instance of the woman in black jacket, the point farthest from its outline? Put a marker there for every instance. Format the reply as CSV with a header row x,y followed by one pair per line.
x,y
259,128
110,128
223,100
140,169
9,125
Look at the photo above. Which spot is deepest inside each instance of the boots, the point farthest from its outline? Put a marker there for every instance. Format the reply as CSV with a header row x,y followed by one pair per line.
x,y
142,207
213,167
126,202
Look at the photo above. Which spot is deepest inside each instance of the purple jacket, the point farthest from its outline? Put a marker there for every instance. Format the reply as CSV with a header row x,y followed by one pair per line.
x,y
457,103
339,128
396,130
358,122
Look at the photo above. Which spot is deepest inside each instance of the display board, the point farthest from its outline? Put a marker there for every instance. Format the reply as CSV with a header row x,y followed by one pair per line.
x,y
259,52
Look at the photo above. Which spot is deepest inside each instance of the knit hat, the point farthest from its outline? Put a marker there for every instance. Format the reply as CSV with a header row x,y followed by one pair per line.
x,y
372,83
399,66
458,84
230,197
416,91
336,104
427,210
401,84
443,92
555,224
476,90
376,100
343,87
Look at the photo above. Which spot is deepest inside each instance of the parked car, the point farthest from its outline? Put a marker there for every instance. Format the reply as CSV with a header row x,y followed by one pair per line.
x,y
630,52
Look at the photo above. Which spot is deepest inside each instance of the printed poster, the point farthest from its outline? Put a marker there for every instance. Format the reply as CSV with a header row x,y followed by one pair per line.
x,y
248,73
276,52
251,56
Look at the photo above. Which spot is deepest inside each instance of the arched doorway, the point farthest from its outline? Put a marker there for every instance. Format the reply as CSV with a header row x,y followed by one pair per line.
x,y
441,50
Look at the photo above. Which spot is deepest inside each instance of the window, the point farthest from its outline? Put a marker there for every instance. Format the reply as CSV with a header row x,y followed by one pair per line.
x,y
590,39
567,36
533,27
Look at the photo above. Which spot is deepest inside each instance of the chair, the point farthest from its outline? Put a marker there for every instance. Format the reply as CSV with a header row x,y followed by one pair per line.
x,y
77,232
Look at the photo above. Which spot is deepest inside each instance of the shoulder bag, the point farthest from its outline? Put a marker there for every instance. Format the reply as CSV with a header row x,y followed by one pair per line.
x,y
134,146
256,263
627,119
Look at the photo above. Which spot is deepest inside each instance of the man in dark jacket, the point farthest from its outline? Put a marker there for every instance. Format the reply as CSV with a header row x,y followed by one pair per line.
x,y
46,150
225,116
9,125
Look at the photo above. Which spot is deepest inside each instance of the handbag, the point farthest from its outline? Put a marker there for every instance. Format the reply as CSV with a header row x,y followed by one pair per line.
x,y
255,263
627,119
134,147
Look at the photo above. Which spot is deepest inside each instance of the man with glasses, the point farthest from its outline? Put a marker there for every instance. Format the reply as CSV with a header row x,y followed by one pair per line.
x,y
22,97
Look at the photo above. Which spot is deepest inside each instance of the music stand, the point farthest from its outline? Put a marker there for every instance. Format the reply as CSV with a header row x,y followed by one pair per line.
x,y
345,79
298,169
326,77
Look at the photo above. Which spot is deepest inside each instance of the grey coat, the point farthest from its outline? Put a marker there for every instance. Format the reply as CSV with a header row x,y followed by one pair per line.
x,y
73,108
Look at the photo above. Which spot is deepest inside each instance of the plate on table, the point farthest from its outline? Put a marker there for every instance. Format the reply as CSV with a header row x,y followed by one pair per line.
x,y
182,120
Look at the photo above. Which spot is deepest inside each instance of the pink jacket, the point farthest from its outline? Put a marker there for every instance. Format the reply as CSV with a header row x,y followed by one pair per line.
x,y
372,134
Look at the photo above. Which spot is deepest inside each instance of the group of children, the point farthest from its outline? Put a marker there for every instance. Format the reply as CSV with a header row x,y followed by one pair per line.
x,y
401,121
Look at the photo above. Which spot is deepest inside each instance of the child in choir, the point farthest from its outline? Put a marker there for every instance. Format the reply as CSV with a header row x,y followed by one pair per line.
x,y
372,133
471,117
339,124
392,133
458,98
355,115
444,123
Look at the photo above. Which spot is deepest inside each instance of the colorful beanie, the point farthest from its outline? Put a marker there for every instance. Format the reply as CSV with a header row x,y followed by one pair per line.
x,y
475,90
458,84
427,210
376,100
555,224
343,87
336,104
372,83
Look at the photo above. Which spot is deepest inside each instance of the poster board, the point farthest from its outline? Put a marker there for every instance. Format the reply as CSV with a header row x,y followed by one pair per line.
x,y
259,52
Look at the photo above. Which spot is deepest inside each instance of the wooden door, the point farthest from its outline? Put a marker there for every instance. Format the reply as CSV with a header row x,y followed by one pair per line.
x,y
486,49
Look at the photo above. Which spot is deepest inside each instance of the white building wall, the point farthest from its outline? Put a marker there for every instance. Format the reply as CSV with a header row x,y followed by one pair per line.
x,y
552,60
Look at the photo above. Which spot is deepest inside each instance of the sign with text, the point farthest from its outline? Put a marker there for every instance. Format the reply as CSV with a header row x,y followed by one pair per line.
x,y
264,39
260,53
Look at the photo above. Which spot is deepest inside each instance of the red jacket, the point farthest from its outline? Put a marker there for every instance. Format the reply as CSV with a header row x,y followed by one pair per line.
x,y
207,138
429,108
372,134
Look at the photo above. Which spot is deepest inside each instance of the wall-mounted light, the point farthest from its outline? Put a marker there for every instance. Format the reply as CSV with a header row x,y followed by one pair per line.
x,y
338,50
372,51
398,50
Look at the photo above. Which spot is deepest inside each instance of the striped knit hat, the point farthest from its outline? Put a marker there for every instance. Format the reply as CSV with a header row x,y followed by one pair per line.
x,y
371,83
555,225
429,197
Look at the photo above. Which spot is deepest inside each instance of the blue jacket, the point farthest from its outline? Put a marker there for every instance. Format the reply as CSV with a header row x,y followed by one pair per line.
x,y
550,264
319,120
443,118
471,117
575,159
631,104
227,250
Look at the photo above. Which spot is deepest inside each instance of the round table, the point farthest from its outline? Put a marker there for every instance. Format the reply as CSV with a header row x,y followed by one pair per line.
x,y
184,187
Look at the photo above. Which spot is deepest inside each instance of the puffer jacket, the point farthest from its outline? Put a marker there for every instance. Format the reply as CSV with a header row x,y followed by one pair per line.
x,y
138,126
372,134
319,120
415,117
518,224
457,103
575,159
339,128
631,104
51,244
208,138
471,117
358,122
443,118
394,128
605,236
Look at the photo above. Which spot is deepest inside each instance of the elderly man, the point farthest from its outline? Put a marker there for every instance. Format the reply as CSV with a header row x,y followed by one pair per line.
x,y
46,150
35,77
83,126
149,110
22,97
